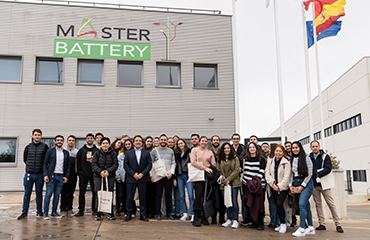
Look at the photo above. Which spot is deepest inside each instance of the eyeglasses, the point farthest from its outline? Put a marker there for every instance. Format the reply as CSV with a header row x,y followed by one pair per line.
x,y
236,138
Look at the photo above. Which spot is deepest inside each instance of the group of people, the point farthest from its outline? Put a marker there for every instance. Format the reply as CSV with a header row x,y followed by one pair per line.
x,y
228,172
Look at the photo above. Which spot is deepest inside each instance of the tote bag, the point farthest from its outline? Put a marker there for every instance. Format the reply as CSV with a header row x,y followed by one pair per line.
x,y
194,173
105,198
227,196
159,168
326,181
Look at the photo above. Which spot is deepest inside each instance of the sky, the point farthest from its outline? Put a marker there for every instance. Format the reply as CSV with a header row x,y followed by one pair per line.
x,y
256,51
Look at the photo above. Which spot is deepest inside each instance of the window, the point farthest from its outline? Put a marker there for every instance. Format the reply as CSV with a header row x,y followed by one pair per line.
x,y
359,175
305,140
130,73
347,124
317,135
168,74
90,71
205,76
48,141
10,69
49,70
80,142
328,132
8,149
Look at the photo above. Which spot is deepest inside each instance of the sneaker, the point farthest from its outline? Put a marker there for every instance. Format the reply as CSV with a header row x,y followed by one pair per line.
x,y
98,217
283,228
310,230
170,218
79,214
24,216
46,217
63,213
293,224
55,215
278,228
192,218
235,224
39,215
184,217
158,218
133,215
245,222
111,217
228,223
70,212
299,233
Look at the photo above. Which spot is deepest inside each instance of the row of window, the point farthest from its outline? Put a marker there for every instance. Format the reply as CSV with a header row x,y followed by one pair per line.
x,y
339,127
50,70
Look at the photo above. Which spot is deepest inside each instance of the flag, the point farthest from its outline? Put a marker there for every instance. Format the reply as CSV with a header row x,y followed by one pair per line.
x,y
327,12
330,32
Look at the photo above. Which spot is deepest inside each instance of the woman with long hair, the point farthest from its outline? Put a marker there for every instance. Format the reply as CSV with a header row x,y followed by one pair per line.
x,y
301,185
228,165
120,179
274,218
117,146
182,156
254,184
277,175
148,143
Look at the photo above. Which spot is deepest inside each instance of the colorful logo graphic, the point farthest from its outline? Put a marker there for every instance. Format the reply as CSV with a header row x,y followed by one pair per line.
x,y
168,24
86,21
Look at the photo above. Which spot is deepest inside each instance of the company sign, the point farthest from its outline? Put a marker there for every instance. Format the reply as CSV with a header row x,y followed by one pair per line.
x,y
101,49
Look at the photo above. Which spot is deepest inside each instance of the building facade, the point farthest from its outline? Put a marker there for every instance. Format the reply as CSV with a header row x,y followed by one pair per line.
x,y
70,69
346,110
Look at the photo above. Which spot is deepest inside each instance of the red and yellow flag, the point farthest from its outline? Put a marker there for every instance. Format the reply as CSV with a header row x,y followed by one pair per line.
x,y
326,12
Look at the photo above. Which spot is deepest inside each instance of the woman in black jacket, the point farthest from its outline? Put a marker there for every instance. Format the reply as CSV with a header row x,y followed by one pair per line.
x,y
104,164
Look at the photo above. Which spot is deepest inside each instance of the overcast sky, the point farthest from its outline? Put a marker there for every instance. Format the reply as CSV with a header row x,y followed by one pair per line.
x,y
259,107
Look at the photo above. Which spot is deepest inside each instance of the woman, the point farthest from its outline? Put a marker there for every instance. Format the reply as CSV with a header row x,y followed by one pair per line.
x,y
228,165
254,173
156,142
277,175
148,143
150,187
301,185
274,218
182,156
104,164
120,178
117,146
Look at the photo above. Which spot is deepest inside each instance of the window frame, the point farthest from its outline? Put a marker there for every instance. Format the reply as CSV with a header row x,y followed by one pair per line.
x,y
21,69
359,175
48,59
178,64
79,72
141,63
215,66
6,164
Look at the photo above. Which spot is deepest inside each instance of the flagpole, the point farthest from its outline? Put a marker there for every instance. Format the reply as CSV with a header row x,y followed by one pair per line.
x,y
318,78
280,87
236,81
308,79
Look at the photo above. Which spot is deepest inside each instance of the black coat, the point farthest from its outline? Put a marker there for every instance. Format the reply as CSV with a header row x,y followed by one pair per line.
x,y
104,161
182,162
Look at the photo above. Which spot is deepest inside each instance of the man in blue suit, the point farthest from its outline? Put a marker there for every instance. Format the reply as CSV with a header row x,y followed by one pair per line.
x,y
137,164
56,173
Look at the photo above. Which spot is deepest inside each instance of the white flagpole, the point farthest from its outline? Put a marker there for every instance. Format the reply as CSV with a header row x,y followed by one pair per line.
x,y
280,87
236,81
308,79
318,78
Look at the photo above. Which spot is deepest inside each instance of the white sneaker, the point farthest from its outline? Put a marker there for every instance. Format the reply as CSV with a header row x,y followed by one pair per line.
x,y
227,223
310,230
277,229
133,215
192,218
235,224
282,228
184,217
299,233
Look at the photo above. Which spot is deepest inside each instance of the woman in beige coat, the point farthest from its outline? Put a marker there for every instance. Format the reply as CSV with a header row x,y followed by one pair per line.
x,y
277,176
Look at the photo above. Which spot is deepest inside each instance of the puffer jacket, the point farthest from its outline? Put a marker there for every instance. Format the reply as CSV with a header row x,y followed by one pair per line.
x,y
104,161
33,157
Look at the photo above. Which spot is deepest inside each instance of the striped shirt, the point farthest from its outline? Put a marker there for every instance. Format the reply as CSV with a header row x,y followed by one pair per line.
x,y
253,167
295,171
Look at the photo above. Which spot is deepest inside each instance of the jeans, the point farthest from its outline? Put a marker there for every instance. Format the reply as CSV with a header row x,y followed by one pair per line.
x,y
182,180
29,179
66,196
54,186
304,204
176,196
273,211
233,212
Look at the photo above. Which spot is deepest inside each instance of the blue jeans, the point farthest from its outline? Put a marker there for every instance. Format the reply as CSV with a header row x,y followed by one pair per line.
x,y
182,180
234,210
28,180
274,218
304,204
176,195
54,186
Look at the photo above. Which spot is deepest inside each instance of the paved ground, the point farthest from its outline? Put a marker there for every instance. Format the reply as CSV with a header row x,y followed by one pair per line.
x,y
356,227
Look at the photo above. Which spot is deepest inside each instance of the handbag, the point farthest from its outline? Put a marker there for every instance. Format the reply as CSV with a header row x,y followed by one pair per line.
x,y
208,205
326,181
158,168
105,198
227,196
194,173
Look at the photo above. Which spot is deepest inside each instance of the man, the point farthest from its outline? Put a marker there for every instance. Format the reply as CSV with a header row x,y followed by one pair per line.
x,y
85,174
235,138
33,157
66,201
56,173
265,148
124,138
288,148
215,142
323,168
194,139
137,164
167,154
98,137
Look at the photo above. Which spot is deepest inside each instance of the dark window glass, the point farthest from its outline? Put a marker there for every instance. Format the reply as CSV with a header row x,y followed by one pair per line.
x,y
90,71
130,74
10,69
8,149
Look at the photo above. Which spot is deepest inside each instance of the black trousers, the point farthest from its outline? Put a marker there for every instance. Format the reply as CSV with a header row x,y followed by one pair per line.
x,y
150,198
81,199
131,187
167,185
279,198
97,182
66,195
199,188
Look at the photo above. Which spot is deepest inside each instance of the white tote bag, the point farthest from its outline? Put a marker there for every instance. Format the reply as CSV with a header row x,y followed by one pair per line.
x,y
105,198
227,196
326,181
158,168
194,173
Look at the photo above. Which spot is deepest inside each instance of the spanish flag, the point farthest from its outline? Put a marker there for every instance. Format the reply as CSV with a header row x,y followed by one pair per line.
x,y
327,12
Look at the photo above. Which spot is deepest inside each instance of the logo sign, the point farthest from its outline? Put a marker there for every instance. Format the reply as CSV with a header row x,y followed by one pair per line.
x,y
100,49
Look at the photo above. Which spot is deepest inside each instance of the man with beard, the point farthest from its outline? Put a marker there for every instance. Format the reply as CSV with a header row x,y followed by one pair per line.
x,y
194,139
288,148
